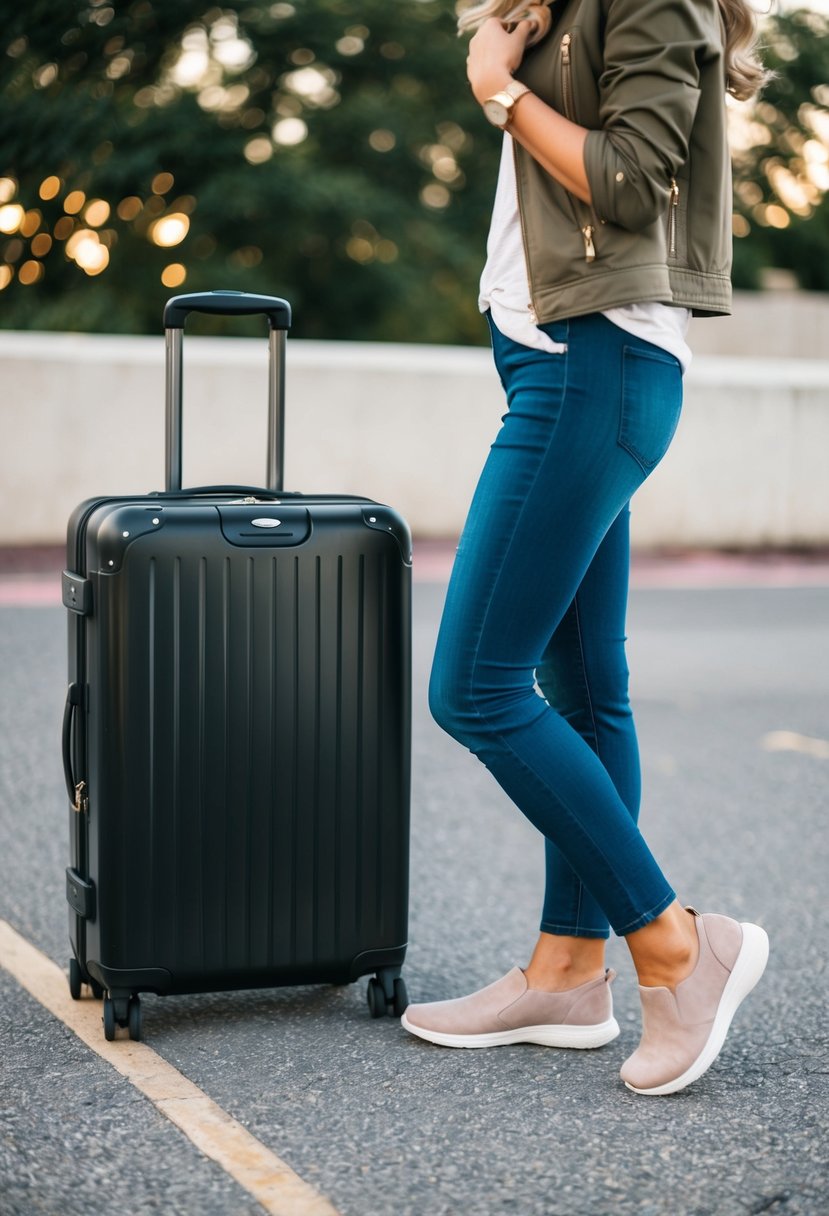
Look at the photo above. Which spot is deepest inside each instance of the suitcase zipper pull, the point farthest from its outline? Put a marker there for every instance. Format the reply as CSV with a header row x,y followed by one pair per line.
x,y
81,802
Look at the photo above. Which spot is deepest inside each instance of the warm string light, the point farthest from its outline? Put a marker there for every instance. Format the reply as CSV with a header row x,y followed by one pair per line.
x,y
87,242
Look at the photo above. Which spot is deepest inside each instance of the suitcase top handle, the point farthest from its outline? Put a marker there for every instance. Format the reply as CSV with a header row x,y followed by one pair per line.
x,y
227,304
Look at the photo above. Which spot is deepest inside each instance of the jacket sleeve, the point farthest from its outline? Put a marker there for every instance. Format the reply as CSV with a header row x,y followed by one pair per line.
x,y
648,96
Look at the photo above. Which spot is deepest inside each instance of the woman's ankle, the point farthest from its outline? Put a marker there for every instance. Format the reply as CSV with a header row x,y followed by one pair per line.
x,y
666,950
560,962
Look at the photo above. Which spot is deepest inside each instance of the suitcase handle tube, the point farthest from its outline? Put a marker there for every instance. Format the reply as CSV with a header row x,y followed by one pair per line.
x,y
227,303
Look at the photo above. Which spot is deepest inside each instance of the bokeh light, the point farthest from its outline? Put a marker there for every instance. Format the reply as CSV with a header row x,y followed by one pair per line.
x,y
382,140
435,196
87,250
10,217
74,201
97,212
129,207
258,150
290,131
30,223
30,272
173,275
170,229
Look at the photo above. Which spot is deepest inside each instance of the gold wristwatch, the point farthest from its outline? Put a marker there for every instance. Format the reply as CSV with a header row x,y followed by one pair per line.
x,y
499,108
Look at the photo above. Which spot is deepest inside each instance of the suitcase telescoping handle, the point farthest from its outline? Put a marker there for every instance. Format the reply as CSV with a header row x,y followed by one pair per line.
x,y
227,304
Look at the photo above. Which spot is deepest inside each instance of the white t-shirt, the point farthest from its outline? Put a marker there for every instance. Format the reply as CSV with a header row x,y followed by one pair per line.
x,y
504,286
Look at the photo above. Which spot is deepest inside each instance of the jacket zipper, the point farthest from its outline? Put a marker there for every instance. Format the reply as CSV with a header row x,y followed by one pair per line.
x,y
531,304
587,230
672,216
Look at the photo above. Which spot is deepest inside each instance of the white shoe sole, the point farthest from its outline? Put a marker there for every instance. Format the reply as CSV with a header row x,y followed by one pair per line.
x,y
546,1036
750,965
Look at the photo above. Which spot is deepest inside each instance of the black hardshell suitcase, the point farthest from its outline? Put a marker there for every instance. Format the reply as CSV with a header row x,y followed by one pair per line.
x,y
236,736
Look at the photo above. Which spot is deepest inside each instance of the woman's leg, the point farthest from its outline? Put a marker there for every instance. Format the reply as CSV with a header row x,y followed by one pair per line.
x,y
583,675
582,432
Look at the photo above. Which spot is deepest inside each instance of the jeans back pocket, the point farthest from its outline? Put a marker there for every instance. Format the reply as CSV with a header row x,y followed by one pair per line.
x,y
651,404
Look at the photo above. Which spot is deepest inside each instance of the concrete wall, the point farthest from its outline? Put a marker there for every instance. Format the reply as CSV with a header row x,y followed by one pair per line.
x,y
409,425
772,324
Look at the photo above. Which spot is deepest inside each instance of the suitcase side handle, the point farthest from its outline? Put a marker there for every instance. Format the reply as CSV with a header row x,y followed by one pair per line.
x,y
226,303
76,790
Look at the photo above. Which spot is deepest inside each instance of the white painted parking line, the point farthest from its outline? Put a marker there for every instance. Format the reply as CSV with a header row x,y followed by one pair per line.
x,y
791,741
266,1177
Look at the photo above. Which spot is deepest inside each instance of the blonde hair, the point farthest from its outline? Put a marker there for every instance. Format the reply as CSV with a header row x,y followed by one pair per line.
x,y
745,73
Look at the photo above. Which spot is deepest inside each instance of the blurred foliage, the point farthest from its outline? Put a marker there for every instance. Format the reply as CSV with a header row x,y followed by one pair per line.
x,y
327,150
372,224
780,148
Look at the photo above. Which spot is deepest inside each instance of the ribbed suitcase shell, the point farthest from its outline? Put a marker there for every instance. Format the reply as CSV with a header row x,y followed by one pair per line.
x,y
244,735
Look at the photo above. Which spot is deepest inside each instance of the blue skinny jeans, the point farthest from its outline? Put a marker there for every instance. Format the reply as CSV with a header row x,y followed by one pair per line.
x,y
529,671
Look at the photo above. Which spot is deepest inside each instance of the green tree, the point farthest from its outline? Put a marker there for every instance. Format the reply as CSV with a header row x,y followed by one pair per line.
x,y
328,151
781,158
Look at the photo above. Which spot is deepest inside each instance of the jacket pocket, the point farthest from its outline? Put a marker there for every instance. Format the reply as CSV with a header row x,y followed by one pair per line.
x,y
651,404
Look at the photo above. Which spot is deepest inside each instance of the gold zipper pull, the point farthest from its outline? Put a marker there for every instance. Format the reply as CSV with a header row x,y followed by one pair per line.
x,y
589,247
674,204
81,802
565,48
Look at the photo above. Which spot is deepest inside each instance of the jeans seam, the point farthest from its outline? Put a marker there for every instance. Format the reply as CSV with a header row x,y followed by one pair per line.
x,y
592,714
551,926
646,917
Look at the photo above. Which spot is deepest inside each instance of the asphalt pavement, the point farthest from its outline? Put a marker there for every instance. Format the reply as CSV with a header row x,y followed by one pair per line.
x,y
384,1123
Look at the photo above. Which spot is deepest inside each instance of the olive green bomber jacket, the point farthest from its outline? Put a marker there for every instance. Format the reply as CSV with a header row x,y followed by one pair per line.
x,y
647,78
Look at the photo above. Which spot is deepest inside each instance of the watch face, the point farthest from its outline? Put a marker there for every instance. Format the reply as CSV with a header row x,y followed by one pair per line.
x,y
496,112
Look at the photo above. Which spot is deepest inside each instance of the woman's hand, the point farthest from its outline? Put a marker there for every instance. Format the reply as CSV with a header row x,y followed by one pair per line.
x,y
494,54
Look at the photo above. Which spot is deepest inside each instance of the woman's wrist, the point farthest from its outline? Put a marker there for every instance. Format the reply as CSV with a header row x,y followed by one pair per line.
x,y
491,84
494,54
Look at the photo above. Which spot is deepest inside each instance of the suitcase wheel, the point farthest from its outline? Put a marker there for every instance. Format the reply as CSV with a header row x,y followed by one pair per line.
x,y
109,1019
134,1018
387,995
127,1013
401,997
76,982
377,1003
75,979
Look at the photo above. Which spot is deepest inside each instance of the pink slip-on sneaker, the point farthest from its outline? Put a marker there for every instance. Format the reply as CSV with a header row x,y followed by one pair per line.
x,y
509,1011
684,1029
